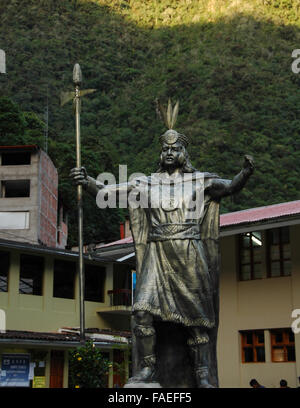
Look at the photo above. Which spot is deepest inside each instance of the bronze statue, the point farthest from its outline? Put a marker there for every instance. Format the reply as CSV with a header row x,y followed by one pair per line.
x,y
177,263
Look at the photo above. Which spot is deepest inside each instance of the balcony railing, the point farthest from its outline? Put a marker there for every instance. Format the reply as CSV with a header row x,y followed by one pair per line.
x,y
120,297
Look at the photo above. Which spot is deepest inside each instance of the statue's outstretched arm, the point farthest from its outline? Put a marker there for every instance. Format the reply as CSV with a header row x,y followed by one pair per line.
x,y
221,188
92,186
80,177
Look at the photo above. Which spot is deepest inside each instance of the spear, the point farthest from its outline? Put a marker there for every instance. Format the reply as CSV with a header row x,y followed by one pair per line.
x,y
76,96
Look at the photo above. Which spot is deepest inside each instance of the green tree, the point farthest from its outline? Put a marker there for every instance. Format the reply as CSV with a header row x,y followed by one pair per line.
x,y
88,367
12,122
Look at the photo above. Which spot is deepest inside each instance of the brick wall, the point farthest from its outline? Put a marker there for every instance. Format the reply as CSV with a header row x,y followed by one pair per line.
x,y
48,201
62,235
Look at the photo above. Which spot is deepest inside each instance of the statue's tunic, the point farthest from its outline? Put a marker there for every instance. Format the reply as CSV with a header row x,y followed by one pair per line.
x,y
177,251
175,282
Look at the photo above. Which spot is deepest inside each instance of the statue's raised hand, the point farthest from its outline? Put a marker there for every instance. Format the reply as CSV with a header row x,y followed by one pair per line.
x,y
79,176
249,163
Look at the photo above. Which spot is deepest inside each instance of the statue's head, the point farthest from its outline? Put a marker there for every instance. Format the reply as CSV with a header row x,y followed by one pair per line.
x,y
173,149
173,152
174,144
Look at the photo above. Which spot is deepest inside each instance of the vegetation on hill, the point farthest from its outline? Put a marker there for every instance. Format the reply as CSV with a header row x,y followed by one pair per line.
x,y
228,62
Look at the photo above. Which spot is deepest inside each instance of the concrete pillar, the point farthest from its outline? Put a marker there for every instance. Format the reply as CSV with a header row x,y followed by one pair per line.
x,y
109,283
48,284
268,350
13,284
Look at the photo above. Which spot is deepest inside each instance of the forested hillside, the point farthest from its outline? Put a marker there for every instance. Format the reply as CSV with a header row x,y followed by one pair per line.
x,y
227,61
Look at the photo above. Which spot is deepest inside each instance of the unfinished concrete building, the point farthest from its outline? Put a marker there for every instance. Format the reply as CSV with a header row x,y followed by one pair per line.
x,y
29,197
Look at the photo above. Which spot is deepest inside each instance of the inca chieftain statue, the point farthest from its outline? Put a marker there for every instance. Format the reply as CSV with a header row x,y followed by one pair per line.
x,y
175,232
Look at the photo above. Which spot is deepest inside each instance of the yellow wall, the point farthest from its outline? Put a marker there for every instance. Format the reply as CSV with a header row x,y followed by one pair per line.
x,y
258,304
46,313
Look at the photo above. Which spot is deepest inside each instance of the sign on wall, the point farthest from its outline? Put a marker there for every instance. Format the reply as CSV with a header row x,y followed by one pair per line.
x,y
39,382
15,370
133,285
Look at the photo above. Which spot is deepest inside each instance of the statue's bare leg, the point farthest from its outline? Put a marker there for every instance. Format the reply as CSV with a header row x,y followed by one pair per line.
x,y
145,343
198,344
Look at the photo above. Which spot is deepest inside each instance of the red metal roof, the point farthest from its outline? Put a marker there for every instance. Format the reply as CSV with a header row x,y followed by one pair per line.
x,y
244,217
20,147
127,240
260,213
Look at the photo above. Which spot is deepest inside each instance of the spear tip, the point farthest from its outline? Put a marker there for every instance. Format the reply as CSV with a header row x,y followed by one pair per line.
x,y
77,75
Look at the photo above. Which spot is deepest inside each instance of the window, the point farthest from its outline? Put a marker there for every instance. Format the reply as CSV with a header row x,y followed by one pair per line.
x,y
279,252
250,255
15,158
15,188
94,283
253,346
64,279
14,219
31,275
4,268
283,345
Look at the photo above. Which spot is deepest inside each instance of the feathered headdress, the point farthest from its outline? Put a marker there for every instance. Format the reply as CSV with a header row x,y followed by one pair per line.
x,y
169,117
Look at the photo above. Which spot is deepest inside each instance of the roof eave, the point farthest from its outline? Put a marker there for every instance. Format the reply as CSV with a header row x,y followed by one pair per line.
x,y
267,223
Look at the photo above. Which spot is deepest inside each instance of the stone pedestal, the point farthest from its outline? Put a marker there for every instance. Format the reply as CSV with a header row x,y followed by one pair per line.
x,y
143,385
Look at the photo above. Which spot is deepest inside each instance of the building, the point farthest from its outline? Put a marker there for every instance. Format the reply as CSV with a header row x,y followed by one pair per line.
x,y
39,282
259,290
29,206
39,301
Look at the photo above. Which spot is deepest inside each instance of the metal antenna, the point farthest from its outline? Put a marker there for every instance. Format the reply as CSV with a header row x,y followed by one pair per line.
x,y
46,117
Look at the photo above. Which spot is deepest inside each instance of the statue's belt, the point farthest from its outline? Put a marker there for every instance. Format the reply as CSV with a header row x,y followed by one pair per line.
x,y
164,232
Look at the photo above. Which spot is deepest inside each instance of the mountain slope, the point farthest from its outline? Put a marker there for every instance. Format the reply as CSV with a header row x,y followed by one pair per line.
x,y
228,62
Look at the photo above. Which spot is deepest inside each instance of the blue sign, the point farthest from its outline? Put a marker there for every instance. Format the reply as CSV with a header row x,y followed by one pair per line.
x,y
133,285
15,370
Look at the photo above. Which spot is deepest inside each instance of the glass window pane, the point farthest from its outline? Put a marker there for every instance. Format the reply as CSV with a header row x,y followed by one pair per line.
x,y
291,356
260,353
257,271
249,338
64,279
291,336
285,235
245,272
278,354
260,338
246,241
274,236
275,252
256,239
287,268
279,337
4,268
257,254
245,256
248,355
275,269
31,274
286,251
94,283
